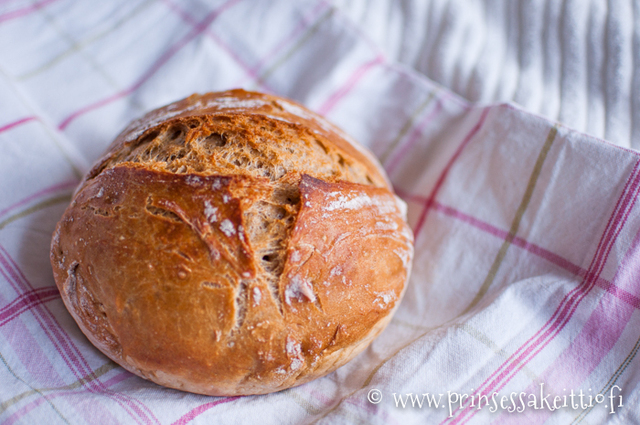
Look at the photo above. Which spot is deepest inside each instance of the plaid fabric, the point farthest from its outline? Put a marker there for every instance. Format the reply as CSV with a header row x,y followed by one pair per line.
x,y
526,277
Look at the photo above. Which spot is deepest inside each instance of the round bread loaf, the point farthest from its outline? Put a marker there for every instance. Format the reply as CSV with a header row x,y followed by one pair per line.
x,y
232,243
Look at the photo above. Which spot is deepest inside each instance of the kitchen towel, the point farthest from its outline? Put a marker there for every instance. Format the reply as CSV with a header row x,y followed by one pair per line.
x,y
524,297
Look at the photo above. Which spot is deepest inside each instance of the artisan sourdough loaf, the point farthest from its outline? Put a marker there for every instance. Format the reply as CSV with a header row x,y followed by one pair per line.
x,y
232,243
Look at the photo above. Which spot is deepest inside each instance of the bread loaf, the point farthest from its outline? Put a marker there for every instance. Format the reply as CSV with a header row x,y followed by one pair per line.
x,y
232,243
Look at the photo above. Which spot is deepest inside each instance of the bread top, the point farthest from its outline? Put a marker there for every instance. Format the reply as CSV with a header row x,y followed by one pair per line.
x,y
266,135
230,250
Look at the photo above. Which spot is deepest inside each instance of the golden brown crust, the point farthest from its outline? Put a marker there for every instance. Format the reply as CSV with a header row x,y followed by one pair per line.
x,y
250,112
217,278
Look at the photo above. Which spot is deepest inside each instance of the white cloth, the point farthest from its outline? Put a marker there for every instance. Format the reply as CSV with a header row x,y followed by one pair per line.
x,y
526,275
574,61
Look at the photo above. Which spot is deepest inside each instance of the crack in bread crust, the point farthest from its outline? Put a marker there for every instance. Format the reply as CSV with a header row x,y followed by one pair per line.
x,y
253,145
